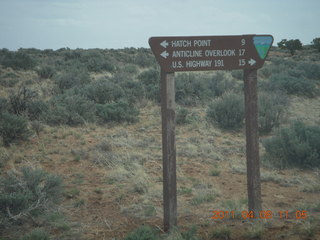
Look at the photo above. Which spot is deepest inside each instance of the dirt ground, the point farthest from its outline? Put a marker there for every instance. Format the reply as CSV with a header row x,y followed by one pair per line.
x,y
211,176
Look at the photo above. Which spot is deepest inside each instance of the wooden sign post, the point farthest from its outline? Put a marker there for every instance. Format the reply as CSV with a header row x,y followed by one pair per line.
x,y
169,150
252,140
199,53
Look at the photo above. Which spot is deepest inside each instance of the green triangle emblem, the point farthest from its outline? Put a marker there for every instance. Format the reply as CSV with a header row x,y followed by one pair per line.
x,y
262,44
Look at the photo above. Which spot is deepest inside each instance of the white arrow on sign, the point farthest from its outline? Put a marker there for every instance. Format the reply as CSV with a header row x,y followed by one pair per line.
x,y
164,44
164,54
252,62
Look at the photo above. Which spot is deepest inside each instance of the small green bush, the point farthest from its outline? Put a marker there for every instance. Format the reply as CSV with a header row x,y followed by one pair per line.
x,y
151,82
71,110
293,85
294,146
182,116
29,192
144,59
37,126
96,61
217,85
130,68
272,107
117,112
37,234
143,233
265,71
13,128
310,70
18,60
9,79
3,105
227,111
45,72
20,98
37,110
4,157
194,88
72,78
237,74
133,90
103,91
316,43
188,88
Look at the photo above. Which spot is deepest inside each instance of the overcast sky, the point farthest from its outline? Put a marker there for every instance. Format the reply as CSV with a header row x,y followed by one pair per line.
x,y
53,24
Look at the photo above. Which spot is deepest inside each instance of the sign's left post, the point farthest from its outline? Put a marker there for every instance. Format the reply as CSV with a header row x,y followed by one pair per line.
x,y
169,150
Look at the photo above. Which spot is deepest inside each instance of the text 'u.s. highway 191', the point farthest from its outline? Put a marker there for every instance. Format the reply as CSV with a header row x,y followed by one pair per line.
x,y
201,53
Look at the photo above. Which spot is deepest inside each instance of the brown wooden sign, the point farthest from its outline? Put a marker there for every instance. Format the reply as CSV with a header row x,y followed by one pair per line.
x,y
175,54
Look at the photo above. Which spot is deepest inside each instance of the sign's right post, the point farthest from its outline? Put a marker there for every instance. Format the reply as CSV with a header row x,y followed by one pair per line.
x,y
252,140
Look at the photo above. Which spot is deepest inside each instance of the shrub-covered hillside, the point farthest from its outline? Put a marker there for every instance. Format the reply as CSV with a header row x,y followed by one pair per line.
x,y
80,146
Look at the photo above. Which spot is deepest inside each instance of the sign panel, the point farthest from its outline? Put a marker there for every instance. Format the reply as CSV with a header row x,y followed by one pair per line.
x,y
175,54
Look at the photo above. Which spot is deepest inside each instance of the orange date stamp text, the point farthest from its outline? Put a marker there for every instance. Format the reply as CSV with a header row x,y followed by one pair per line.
x,y
268,214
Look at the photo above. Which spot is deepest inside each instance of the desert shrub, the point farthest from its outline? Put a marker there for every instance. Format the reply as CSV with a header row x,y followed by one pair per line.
x,y
57,114
36,234
189,87
120,111
13,128
144,59
133,90
293,85
296,73
37,109
193,88
130,68
96,61
143,233
3,105
310,70
265,71
227,111
121,76
295,146
37,126
45,72
4,157
70,110
272,107
69,54
9,79
316,43
237,74
103,91
280,65
27,193
17,60
72,78
19,99
125,55
182,116
151,82
62,67
218,85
